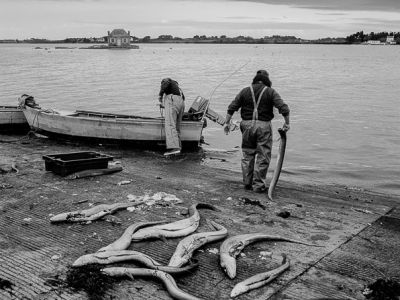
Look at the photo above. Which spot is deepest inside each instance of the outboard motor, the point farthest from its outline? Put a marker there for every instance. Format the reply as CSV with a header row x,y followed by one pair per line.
x,y
201,106
196,110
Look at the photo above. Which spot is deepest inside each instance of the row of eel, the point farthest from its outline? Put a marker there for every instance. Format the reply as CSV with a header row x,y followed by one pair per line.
x,y
181,260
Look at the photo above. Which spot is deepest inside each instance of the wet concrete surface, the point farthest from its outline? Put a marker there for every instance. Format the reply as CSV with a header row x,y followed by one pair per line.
x,y
357,229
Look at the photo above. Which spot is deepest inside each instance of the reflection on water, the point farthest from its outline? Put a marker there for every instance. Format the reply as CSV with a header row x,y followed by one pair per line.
x,y
345,115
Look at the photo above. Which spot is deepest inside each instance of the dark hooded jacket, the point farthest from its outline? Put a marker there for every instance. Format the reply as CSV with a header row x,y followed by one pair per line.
x,y
269,100
169,86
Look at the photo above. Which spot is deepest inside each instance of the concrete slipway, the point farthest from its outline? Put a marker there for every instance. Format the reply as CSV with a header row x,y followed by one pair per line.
x,y
359,230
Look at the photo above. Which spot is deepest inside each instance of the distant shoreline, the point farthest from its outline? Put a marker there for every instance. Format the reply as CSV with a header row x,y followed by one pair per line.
x,y
193,42
377,38
277,40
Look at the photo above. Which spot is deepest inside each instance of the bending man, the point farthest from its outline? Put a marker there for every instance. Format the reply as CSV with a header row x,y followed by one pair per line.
x,y
256,103
174,107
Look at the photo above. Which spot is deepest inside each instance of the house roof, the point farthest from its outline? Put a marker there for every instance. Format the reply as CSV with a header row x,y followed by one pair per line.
x,y
118,32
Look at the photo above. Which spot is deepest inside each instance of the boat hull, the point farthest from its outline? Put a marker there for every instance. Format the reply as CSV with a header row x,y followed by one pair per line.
x,y
116,130
12,120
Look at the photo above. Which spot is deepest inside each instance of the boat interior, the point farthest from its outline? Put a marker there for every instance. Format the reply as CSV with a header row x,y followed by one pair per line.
x,y
195,113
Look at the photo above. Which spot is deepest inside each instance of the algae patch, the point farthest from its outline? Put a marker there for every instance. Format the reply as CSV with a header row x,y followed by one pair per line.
x,y
5,284
383,289
89,279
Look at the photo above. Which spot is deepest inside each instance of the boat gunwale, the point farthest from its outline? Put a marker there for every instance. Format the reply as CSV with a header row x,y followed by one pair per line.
x,y
9,108
124,120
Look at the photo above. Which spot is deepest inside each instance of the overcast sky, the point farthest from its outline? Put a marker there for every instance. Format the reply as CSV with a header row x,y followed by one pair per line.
x,y
59,19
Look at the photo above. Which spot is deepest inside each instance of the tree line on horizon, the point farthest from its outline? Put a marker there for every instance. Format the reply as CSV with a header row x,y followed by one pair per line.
x,y
358,37
223,39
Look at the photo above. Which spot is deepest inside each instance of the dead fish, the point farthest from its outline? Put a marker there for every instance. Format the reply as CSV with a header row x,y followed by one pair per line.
x,y
93,172
110,257
279,163
5,186
232,246
14,167
124,182
260,279
8,169
188,245
167,279
175,229
125,240
93,213
156,233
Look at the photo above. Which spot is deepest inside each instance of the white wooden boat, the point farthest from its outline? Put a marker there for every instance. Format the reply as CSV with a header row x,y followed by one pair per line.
x,y
12,120
106,126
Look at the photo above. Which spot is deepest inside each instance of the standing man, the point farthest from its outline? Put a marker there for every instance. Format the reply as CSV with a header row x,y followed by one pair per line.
x,y
174,107
256,103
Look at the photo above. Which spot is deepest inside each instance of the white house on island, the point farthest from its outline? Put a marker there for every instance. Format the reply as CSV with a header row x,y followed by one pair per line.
x,y
119,38
390,40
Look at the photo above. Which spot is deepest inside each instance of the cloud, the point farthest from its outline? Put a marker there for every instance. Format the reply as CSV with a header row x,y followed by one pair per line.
x,y
332,14
340,5
247,25
243,18
377,23
58,19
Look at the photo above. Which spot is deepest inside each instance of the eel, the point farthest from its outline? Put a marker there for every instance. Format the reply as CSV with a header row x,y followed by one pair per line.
x,y
166,278
14,168
279,163
93,213
110,257
125,240
232,246
260,279
188,245
179,228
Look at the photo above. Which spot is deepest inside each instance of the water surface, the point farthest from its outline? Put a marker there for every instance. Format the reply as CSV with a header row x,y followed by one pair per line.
x,y
344,99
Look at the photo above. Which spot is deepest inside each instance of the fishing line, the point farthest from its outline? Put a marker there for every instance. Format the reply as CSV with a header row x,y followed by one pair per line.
x,y
233,73
230,75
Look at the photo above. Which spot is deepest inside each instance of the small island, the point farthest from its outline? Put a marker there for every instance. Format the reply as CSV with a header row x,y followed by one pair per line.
x,y
116,39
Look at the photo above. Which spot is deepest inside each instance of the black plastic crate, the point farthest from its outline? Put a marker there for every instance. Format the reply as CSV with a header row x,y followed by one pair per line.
x,y
67,163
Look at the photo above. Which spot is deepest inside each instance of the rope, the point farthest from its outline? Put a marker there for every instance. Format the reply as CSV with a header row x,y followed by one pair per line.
x,y
30,132
162,116
17,140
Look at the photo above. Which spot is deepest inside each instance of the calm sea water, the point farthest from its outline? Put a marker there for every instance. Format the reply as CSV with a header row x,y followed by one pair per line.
x,y
344,99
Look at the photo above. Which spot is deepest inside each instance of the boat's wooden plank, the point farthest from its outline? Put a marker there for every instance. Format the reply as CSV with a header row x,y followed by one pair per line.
x,y
109,115
12,116
109,128
8,107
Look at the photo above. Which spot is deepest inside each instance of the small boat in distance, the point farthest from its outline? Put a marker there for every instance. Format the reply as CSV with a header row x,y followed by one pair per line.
x,y
113,128
12,120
